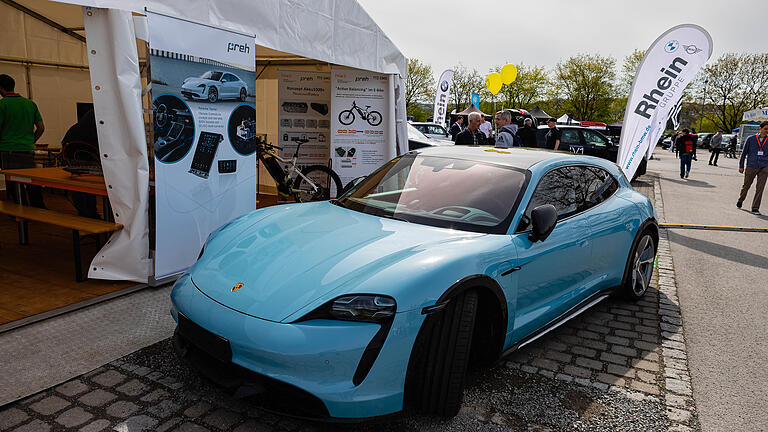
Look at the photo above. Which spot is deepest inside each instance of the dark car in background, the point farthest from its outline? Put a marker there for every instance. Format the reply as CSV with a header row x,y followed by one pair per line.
x,y
417,140
583,140
519,115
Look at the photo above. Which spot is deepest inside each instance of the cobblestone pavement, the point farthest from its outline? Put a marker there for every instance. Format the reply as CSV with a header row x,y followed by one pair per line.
x,y
619,366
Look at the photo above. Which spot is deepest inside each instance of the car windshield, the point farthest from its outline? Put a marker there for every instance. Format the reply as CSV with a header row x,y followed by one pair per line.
x,y
211,75
414,133
441,192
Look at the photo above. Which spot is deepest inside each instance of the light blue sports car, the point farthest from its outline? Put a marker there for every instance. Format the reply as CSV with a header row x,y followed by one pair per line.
x,y
378,301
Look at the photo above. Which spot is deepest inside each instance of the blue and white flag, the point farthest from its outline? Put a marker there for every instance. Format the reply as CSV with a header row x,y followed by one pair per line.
x,y
475,100
669,65
441,96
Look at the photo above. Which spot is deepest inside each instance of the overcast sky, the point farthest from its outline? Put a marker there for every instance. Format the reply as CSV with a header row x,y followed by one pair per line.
x,y
481,34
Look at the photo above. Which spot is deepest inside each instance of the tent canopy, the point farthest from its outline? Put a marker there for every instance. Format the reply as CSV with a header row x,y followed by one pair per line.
x,y
566,119
756,115
539,113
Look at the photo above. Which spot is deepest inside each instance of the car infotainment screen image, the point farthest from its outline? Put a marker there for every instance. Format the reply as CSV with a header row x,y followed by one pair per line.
x,y
204,153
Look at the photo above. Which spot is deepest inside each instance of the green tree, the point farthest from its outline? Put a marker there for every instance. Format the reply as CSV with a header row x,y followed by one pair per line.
x,y
586,83
530,86
733,84
628,71
419,85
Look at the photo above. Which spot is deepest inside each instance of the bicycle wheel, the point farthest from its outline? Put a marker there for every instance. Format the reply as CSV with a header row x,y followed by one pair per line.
x,y
374,118
346,117
326,182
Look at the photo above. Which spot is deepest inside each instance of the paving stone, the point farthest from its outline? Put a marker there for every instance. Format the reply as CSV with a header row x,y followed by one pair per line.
x,y
546,373
557,346
647,315
133,387
676,364
33,398
669,327
97,398
191,427
643,345
593,344
620,311
154,376
624,371
559,356
170,383
630,352
564,377
645,364
97,426
72,388
611,379
650,356
673,344
587,334
168,424
584,352
598,329
96,371
676,400
513,365
11,417
155,395
627,334
617,340
653,338
599,385
136,424
645,387
222,418
678,386
129,367
678,415
109,378
34,426
122,409
577,371
628,320
527,368
647,377
198,409
73,417
545,364
674,336
253,426
49,405
165,408
673,353
141,371
613,358
589,363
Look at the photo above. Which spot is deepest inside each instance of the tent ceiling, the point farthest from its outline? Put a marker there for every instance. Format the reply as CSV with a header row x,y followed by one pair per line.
x,y
66,18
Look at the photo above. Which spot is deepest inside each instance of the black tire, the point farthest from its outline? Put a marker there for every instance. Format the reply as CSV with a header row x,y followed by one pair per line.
x,y
438,365
374,118
346,117
320,175
243,94
639,270
213,95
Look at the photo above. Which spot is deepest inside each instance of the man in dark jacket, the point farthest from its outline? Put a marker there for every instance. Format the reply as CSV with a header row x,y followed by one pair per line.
x,y
756,153
687,148
527,134
472,134
456,128
715,145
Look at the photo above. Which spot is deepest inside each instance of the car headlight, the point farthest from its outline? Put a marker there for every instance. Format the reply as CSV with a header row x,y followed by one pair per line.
x,y
356,307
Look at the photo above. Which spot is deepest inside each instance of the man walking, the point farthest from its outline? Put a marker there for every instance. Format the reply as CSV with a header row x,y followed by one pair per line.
x,y
472,135
506,135
456,128
687,147
527,134
21,125
716,145
756,153
553,136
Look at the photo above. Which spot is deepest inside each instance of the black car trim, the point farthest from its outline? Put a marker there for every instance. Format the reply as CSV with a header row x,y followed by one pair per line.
x,y
476,280
371,353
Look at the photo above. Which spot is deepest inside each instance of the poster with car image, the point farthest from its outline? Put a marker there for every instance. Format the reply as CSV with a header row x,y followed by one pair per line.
x,y
358,141
304,99
204,135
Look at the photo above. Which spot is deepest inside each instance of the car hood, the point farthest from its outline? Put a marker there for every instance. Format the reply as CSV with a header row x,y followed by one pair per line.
x,y
194,82
305,253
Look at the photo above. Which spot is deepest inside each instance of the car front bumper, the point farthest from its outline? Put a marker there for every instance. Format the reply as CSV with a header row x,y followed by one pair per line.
x,y
318,357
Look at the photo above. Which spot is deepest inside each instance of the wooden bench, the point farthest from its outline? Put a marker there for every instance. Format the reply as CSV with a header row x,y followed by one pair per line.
x,y
77,224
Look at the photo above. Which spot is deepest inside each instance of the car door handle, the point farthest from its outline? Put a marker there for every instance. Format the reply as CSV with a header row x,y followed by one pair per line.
x,y
584,243
513,269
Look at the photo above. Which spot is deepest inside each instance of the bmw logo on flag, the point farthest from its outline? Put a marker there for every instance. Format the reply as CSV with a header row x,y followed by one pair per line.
x,y
444,86
671,46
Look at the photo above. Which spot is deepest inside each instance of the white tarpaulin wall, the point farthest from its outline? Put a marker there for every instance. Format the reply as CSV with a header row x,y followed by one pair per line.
x,y
338,32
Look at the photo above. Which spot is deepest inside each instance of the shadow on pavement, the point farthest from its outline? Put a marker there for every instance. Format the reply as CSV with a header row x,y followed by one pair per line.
x,y
721,251
689,182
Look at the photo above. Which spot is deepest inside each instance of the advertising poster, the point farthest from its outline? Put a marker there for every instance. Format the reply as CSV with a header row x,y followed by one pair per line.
x,y
204,135
358,141
304,100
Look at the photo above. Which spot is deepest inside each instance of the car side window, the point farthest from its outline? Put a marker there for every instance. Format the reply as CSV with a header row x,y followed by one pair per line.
x,y
564,188
600,185
592,138
229,78
569,137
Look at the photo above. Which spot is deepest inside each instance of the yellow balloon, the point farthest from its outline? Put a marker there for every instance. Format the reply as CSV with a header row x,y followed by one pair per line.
x,y
493,82
508,73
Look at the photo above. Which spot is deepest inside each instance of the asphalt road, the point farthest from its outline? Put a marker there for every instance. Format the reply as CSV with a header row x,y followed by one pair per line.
x,y
722,282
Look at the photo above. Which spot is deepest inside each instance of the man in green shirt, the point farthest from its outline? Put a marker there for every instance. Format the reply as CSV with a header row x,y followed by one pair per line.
x,y
21,125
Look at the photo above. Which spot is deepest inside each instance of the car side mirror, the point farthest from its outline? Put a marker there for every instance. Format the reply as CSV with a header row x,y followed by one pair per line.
x,y
543,220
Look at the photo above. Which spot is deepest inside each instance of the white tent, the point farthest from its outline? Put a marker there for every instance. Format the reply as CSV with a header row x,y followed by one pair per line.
x,y
566,119
294,33
756,115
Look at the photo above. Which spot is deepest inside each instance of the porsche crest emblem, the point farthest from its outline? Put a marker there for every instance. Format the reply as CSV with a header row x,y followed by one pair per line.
x,y
237,286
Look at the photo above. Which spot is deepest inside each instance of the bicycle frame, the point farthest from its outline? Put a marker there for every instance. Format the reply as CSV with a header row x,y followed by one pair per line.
x,y
290,170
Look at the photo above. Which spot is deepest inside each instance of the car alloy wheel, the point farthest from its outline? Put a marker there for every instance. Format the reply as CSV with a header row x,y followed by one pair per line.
x,y
213,94
243,95
642,265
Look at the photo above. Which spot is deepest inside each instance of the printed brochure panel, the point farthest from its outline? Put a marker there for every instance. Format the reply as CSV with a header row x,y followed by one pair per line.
x,y
304,115
358,140
204,143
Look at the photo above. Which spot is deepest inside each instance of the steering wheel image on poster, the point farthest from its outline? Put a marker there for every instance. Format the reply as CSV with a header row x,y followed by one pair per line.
x,y
241,129
174,128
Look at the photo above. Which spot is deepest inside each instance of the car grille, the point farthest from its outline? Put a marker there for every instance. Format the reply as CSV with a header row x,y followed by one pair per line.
x,y
212,344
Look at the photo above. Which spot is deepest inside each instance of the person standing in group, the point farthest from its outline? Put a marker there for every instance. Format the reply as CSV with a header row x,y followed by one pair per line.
x,y
21,125
553,136
715,146
505,136
456,127
687,147
756,152
527,134
485,127
472,135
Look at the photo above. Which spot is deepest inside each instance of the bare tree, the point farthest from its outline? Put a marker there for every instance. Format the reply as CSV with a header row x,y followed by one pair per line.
x,y
465,82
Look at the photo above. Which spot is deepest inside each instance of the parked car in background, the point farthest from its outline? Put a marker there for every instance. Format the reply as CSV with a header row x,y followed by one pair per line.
x,y
417,140
378,301
704,140
519,115
432,130
213,86
666,143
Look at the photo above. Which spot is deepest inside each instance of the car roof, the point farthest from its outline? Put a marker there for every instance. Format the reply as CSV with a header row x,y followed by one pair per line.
x,y
426,124
518,157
